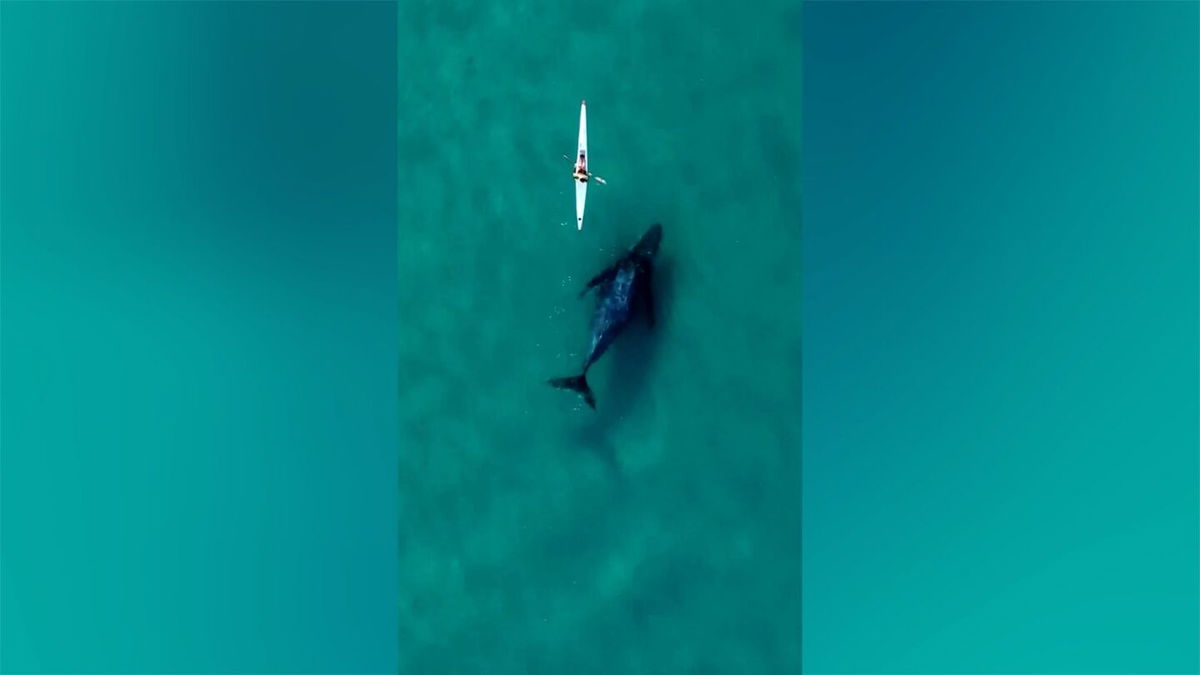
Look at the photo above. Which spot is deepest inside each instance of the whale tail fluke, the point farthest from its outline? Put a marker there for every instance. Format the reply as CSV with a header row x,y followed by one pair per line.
x,y
577,384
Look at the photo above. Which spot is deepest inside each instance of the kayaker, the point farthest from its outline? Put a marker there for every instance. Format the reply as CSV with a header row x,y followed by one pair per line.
x,y
581,173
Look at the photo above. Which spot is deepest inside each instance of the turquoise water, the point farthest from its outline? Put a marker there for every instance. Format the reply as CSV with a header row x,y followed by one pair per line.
x,y
661,532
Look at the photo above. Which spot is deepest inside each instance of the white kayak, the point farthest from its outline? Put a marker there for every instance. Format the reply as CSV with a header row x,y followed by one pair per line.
x,y
581,157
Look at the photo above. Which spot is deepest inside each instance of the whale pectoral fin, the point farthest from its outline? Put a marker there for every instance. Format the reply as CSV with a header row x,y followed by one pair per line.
x,y
603,277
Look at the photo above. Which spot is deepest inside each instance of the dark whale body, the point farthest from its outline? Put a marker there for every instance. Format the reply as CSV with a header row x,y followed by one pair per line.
x,y
621,289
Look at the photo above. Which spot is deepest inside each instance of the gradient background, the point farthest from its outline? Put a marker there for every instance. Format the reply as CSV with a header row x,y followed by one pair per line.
x,y
199,438
1000,337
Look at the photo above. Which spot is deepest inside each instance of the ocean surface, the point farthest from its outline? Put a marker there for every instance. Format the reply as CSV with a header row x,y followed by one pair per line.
x,y
661,532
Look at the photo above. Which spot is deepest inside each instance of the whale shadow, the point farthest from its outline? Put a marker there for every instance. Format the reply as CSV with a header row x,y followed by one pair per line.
x,y
622,390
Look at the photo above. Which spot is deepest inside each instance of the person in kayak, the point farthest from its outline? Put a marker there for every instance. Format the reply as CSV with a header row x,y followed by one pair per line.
x,y
581,173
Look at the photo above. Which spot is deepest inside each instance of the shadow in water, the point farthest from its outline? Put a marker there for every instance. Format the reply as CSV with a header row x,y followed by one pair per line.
x,y
632,357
